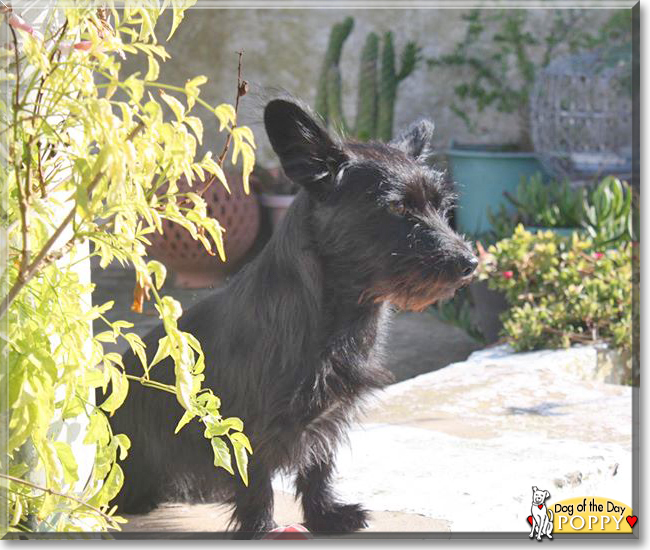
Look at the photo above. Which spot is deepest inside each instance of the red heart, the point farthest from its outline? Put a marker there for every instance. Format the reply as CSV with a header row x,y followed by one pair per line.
x,y
631,520
541,506
530,519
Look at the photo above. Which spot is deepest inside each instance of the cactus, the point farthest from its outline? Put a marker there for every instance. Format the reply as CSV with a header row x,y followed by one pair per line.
x,y
338,36
376,96
366,124
389,82
334,101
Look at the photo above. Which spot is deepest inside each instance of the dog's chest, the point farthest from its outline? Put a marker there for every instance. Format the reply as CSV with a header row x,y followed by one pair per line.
x,y
348,369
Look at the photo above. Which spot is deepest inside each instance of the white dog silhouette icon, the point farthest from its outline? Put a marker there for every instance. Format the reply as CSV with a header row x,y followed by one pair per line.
x,y
541,520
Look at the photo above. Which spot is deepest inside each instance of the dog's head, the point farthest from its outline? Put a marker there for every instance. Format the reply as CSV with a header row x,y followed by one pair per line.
x,y
539,496
378,207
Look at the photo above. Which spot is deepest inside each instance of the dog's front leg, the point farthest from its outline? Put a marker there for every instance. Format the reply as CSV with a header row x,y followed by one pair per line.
x,y
542,527
253,511
532,528
323,514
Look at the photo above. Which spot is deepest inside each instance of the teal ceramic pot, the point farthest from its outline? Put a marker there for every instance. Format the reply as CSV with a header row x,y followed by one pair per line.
x,y
482,174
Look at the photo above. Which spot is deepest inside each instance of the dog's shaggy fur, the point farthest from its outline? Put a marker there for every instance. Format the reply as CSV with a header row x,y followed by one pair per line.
x,y
294,341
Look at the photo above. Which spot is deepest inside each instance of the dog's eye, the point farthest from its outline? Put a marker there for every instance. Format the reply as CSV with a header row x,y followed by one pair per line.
x,y
397,207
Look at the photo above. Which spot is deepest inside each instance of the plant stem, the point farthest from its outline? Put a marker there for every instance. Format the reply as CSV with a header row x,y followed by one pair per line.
x,y
22,198
151,383
43,258
242,89
57,493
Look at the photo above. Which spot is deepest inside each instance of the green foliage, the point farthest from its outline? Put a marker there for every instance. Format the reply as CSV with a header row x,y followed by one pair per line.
x,y
338,36
92,158
497,60
561,291
376,95
539,204
551,204
608,213
605,212
366,126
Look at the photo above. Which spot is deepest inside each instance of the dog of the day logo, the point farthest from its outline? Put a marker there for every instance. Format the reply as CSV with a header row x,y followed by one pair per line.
x,y
541,518
578,515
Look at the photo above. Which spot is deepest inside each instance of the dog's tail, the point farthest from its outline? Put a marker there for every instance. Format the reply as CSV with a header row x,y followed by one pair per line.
x,y
550,512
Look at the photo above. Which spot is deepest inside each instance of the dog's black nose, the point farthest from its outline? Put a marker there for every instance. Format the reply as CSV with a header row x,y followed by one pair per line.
x,y
468,265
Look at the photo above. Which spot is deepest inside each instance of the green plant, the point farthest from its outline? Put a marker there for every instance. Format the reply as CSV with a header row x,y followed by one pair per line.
x,y
608,213
91,158
539,204
376,92
499,56
605,212
548,204
561,291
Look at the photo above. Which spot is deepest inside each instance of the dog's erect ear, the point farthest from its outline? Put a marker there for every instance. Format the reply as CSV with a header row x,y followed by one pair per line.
x,y
415,140
534,489
308,154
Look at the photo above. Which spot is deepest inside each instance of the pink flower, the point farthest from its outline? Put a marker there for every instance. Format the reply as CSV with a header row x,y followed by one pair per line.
x,y
19,23
84,45
508,274
598,255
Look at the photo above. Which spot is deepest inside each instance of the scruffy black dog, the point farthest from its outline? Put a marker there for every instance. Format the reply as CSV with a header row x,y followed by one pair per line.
x,y
294,340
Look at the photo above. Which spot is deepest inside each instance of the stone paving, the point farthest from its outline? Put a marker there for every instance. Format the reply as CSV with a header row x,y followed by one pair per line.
x,y
465,444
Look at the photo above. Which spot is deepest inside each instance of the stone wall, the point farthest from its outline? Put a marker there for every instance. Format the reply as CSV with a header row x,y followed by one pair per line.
x,y
284,49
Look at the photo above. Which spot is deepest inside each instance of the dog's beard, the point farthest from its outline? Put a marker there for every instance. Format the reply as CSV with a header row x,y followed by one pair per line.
x,y
411,292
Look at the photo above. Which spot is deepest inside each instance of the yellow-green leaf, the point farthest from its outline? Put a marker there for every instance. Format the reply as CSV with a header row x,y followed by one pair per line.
x,y
222,457
175,105
187,416
226,115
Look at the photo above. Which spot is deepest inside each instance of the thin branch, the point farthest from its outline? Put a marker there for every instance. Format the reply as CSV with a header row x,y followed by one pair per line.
x,y
57,493
152,383
41,179
22,198
43,258
242,90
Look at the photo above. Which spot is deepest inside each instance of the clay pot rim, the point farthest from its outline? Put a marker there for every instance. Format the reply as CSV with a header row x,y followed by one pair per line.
x,y
276,201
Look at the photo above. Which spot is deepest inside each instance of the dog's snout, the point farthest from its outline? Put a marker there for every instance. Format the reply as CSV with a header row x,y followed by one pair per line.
x,y
468,265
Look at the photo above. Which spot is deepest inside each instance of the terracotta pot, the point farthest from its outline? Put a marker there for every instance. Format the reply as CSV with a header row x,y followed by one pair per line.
x,y
190,263
277,205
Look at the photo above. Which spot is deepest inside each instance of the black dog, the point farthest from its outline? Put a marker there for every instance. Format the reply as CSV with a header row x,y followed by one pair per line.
x,y
295,340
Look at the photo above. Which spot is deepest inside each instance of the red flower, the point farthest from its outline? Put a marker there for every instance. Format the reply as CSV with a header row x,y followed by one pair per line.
x,y
508,274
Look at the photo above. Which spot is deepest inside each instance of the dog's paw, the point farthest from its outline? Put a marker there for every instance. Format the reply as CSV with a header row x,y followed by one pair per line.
x,y
340,518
